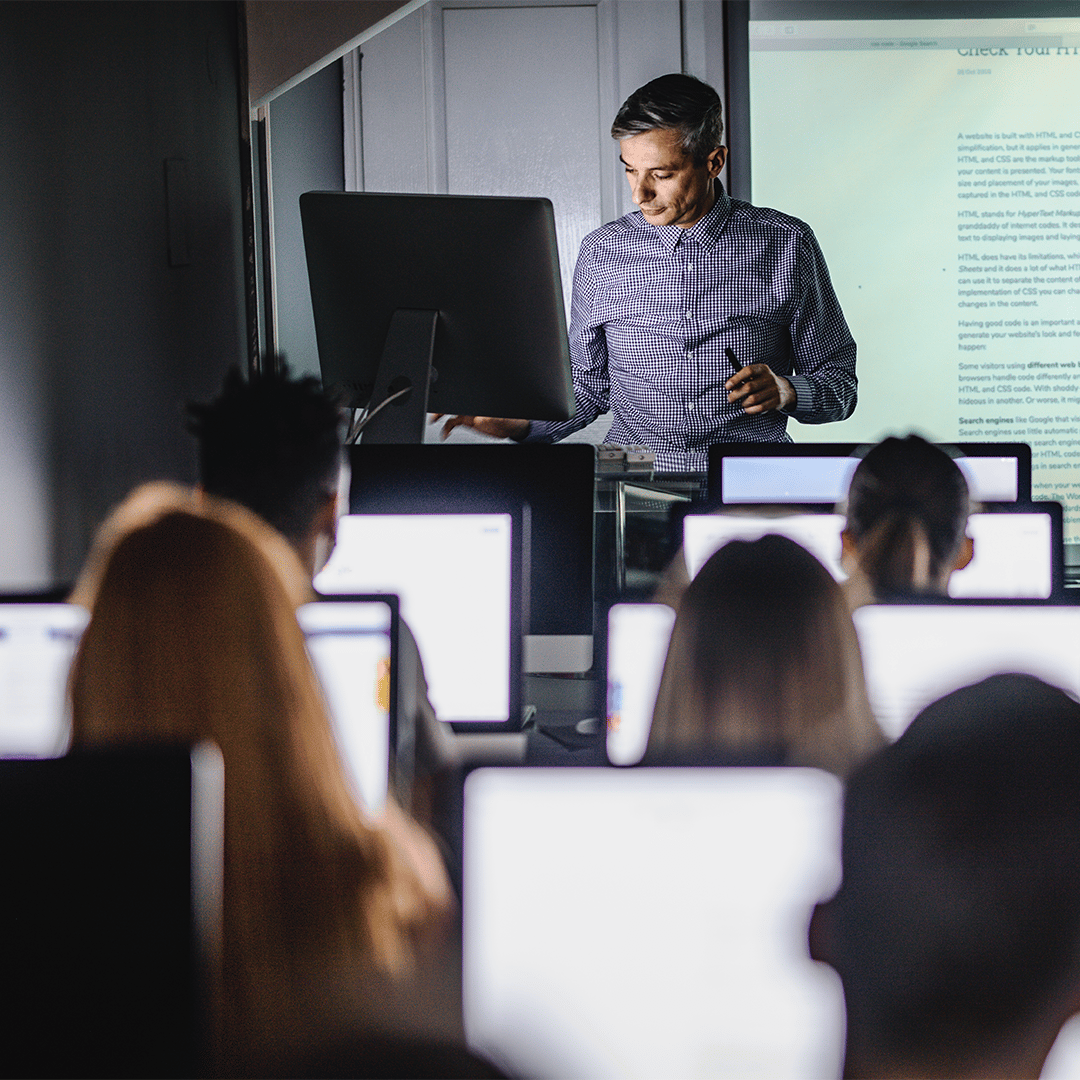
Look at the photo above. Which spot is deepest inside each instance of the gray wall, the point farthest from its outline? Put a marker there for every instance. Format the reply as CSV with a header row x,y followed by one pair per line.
x,y
306,154
101,339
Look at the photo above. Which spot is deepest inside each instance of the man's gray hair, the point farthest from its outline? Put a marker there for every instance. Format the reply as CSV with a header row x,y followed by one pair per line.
x,y
674,103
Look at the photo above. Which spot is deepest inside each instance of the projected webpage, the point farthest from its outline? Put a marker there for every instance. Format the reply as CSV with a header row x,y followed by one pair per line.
x,y
938,162
350,648
37,645
452,574
642,923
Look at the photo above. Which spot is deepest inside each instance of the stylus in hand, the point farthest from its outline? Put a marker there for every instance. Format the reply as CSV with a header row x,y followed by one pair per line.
x,y
760,389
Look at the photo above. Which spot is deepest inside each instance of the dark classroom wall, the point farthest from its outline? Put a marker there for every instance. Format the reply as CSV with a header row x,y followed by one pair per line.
x,y
118,301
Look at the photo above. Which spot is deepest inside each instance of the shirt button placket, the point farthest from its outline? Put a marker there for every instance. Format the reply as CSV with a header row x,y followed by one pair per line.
x,y
688,293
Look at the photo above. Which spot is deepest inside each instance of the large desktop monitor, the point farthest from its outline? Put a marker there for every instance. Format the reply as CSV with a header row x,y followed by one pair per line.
x,y
642,923
454,301
1017,549
820,473
111,909
914,654
459,580
558,484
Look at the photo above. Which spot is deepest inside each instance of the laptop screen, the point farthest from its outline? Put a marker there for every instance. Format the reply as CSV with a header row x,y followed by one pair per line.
x,y
453,574
914,654
37,645
351,646
637,923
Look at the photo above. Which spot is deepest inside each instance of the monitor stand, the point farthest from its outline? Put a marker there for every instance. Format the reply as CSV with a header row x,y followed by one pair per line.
x,y
549,654
405,365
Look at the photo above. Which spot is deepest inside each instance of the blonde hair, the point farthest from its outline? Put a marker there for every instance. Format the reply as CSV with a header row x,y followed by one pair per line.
x,y
193,635
764,661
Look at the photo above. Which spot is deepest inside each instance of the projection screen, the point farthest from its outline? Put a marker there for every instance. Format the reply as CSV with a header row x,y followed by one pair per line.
x,y
938,162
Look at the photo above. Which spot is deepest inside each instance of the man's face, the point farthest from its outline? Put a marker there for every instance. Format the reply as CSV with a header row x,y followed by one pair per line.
x,y
665,183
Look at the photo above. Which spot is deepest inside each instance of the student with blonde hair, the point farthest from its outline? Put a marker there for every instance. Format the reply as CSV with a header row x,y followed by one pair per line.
x,y
334,923
763,666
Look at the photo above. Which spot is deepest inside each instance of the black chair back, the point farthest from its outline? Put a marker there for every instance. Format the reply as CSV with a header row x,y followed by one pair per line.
x,y
110,908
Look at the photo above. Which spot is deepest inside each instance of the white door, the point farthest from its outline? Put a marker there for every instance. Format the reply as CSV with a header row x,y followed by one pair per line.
x,y
505,98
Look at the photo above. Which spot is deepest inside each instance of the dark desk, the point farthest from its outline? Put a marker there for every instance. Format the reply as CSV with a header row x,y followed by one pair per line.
x,y
633,545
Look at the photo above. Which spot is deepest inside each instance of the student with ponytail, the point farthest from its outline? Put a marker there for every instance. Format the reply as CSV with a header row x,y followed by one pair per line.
x,y
907,511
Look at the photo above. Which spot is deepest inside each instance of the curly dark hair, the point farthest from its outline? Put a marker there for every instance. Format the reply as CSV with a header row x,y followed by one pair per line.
x,y
271,443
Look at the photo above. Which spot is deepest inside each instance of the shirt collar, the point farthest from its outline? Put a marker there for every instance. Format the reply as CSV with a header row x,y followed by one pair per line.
x,y
705,232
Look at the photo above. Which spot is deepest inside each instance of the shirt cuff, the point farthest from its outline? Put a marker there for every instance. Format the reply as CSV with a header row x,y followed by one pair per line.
x,y
540,431
804,395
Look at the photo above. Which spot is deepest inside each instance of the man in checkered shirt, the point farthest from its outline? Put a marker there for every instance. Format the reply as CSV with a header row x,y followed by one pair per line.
x,y
699,318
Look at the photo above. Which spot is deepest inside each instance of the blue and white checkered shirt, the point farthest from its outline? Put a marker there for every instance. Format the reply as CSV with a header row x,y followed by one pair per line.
x,y
654,307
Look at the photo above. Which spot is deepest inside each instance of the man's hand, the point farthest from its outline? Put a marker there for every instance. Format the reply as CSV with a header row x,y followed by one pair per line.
x,y
495,426
760,389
